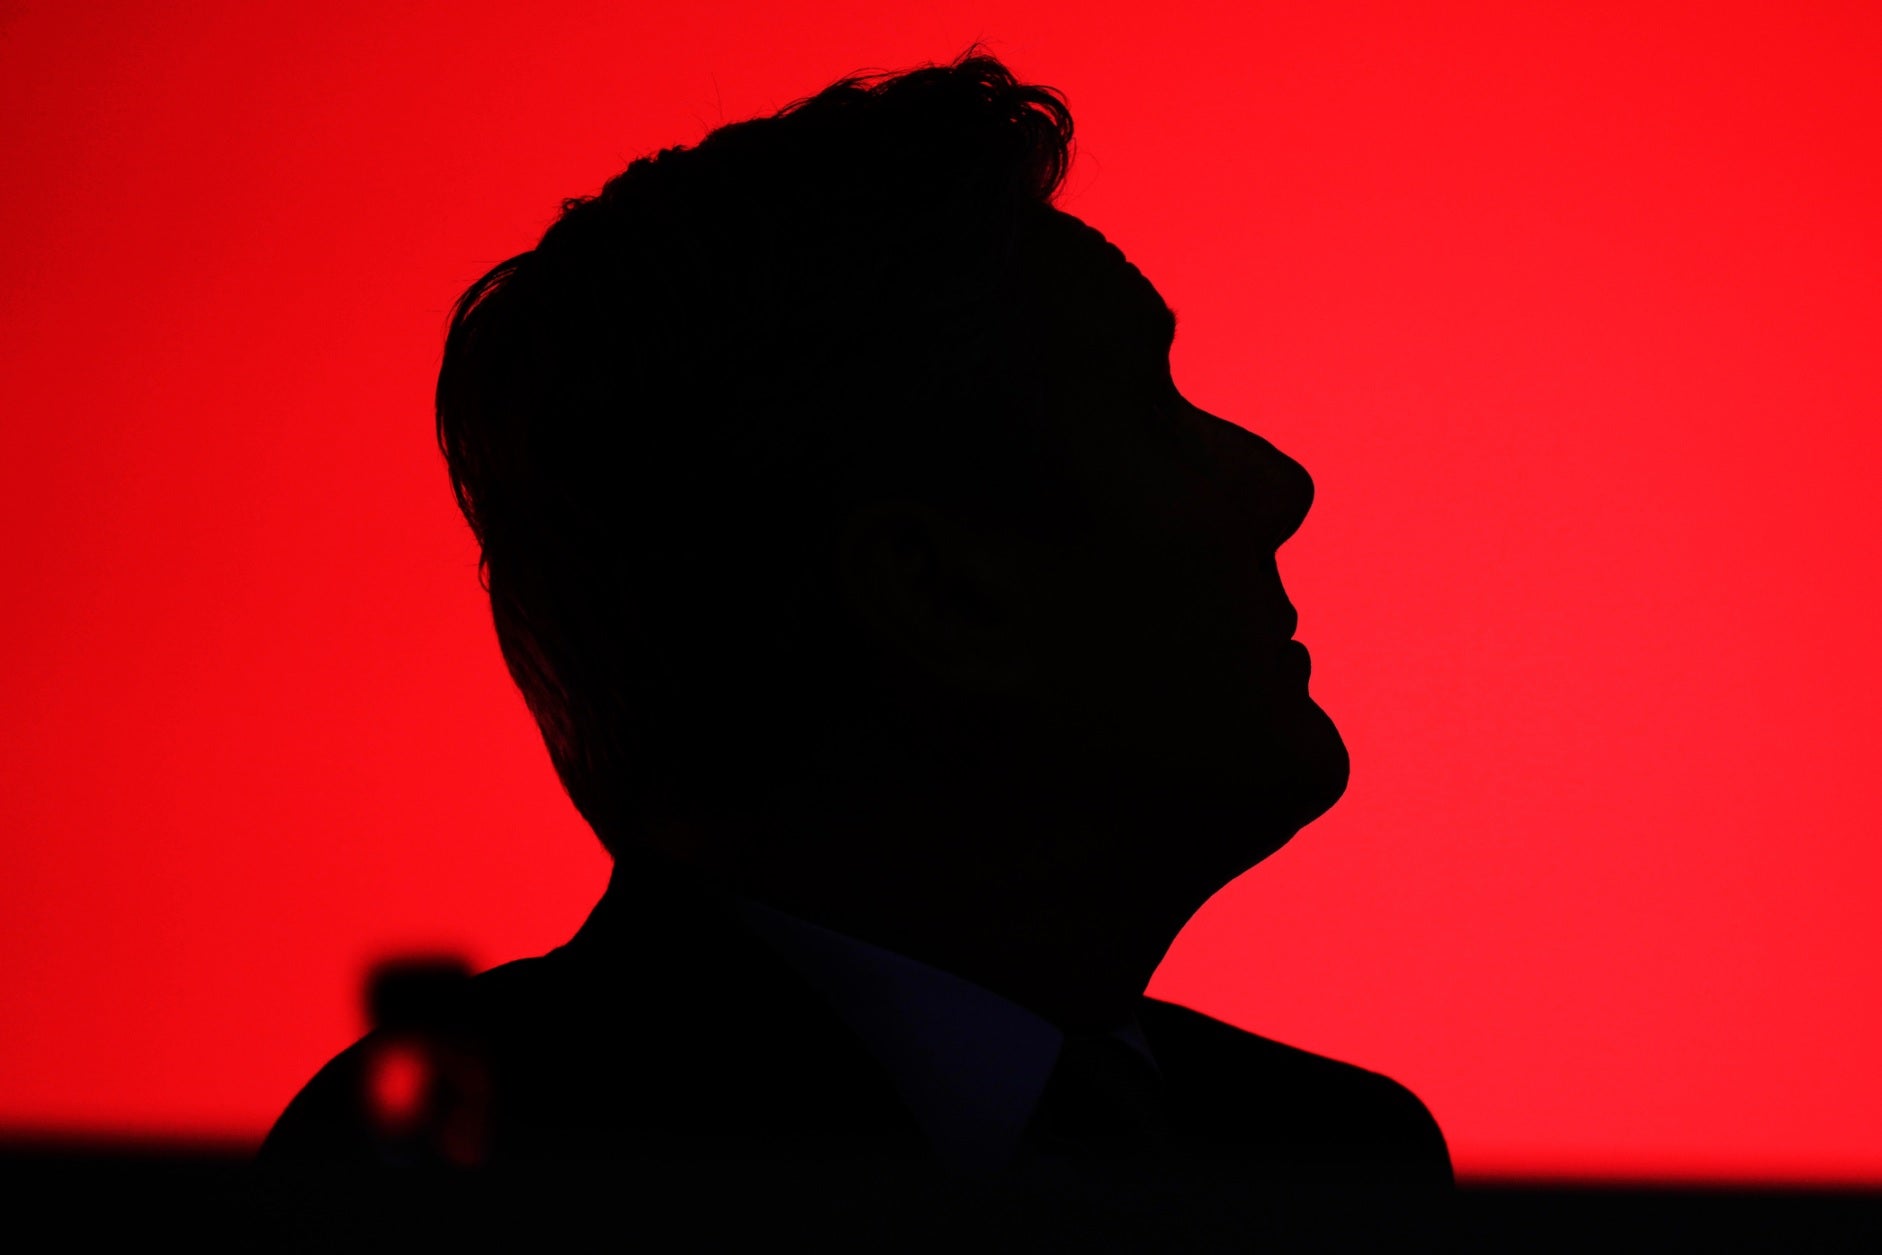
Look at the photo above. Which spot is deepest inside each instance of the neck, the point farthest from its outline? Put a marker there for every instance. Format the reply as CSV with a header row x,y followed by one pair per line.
x,y
1061,915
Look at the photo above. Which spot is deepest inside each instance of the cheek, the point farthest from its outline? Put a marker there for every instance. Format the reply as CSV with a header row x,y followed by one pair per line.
x,y
1148,601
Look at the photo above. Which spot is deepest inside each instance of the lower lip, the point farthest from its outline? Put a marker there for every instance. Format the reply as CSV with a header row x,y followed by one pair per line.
x,y
1296,656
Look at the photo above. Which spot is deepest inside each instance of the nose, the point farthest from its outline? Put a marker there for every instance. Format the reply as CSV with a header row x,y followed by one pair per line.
x,y
1275,488
1295,492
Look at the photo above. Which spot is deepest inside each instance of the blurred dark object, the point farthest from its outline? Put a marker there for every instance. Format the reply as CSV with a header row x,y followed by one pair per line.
x,y
416,992
425,1082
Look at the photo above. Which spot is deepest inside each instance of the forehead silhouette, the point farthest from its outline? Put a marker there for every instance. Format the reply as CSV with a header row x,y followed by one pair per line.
x,y
1088,293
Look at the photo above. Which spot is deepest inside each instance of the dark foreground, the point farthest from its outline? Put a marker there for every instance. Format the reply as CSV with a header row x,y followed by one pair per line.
x,y
211,1197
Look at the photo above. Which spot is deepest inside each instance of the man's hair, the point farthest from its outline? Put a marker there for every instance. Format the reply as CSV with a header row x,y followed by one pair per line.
x,y
655,419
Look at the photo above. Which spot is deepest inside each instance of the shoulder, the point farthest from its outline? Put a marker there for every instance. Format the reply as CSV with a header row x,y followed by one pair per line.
x,y
1253,1096
587,1054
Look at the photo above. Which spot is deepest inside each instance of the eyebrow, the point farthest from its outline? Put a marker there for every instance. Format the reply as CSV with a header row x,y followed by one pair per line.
x,y
1166,321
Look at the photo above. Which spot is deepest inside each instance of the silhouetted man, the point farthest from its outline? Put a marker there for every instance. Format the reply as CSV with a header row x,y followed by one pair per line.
x,y
918,652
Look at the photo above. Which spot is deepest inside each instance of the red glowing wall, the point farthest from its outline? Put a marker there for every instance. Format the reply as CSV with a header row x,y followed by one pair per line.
x,y
1572,311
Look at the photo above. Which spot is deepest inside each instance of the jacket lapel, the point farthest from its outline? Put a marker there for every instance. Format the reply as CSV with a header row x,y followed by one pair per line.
x,y
744,1053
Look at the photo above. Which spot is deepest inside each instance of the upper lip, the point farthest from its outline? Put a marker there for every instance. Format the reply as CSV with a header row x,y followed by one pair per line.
x,y
1290,623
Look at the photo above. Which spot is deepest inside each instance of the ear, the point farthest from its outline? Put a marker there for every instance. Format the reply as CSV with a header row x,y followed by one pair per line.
x,y
935,593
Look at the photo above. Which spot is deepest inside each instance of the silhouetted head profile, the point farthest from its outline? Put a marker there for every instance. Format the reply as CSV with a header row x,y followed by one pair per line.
x,y
851,543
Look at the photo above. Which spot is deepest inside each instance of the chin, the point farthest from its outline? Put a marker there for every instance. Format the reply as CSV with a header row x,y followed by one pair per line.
x,y
1307,773
1321,765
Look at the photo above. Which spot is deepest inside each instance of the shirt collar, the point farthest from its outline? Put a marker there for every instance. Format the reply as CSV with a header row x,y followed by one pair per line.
x,y
970,1064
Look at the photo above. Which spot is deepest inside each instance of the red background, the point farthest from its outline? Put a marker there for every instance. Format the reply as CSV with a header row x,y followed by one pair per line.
x,y
1572,315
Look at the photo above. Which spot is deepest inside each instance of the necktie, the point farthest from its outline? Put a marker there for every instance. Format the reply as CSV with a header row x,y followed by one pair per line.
x,y
1104,1100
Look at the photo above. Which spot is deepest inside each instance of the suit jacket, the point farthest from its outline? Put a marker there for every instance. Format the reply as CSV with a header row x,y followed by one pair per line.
x,y
665,1033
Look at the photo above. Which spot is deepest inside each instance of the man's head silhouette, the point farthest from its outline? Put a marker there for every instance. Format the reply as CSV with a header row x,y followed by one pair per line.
x,y
851,544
